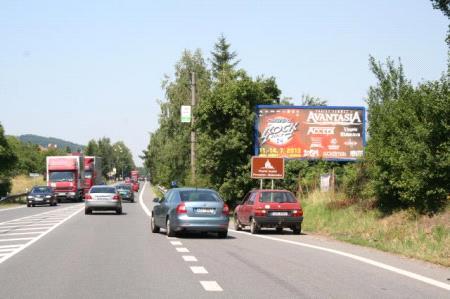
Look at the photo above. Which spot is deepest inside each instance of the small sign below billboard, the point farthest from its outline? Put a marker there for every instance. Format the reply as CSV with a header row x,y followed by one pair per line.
x,y
185,114
267,168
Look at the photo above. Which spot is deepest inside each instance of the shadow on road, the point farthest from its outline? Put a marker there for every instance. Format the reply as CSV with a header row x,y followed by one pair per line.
x,y
199,235
269,231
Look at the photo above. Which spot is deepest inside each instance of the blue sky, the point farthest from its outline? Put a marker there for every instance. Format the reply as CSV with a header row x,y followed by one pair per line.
x,y
79,70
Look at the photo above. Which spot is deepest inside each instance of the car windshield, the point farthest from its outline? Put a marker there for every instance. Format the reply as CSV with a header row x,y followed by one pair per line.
x,y
199,195
103,190
278,197
88,174
124,187
61,176
43,189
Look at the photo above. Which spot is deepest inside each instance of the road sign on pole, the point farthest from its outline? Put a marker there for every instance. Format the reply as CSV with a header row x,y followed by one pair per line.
x,y
185,114
267,168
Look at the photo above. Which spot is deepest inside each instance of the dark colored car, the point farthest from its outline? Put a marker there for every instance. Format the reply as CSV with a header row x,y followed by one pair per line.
x,y
269,208
41,195
190,209
125,191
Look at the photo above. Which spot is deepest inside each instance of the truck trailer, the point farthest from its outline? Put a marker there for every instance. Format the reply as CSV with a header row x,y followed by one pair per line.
x,y
92,172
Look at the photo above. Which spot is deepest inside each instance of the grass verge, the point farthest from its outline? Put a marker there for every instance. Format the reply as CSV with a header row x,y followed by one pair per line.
x,y
405,233
24,183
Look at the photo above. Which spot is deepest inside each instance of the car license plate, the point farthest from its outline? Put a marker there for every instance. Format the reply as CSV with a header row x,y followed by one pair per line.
x,y
38,199
279,213
204,211
62,193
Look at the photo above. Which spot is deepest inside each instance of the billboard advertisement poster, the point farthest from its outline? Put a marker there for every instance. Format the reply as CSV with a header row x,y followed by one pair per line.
x,y
304,132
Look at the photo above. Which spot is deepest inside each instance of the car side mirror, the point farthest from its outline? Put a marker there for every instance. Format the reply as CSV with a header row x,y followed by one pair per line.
x,y
156,199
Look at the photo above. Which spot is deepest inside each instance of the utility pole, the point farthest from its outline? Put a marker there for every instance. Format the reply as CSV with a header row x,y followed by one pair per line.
x,y
192,127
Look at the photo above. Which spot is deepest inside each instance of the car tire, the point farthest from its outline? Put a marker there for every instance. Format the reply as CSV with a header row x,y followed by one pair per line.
x,y
132,200
254,228
155,228
87,212
119,211
223,235
279,230
28,205
237,224
169,231
297,230
33,205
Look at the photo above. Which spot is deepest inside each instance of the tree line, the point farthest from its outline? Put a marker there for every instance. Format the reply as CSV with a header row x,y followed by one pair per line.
x,y
17,157
407,158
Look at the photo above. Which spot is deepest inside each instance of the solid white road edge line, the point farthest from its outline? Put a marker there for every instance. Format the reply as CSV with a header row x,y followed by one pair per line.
x,y
141,202
6,257
358,258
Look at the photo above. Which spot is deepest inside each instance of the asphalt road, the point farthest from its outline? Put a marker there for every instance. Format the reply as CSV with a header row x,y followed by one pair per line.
x,y
58,252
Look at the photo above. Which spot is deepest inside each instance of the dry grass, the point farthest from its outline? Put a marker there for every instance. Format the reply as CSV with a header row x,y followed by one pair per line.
x,y
22,183
406,233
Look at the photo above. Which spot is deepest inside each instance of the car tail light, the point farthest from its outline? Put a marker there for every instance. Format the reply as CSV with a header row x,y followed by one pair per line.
x,y
87,197
297,212
181,208
225,210
260,212
116,197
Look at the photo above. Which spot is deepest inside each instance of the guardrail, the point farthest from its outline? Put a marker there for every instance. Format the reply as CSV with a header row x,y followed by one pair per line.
x,y
13,196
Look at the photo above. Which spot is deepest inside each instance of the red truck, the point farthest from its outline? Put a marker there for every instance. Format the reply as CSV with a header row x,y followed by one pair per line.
x,y
134,180
65,174
92,172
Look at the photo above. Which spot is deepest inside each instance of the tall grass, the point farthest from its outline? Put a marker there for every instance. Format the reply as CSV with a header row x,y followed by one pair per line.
x,y
422,237
24,183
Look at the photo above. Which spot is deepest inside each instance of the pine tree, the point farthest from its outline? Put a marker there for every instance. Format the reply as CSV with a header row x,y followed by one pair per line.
x,y
222,58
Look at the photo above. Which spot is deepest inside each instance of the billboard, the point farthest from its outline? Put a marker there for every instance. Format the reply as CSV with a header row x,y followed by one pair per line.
x,y
305,132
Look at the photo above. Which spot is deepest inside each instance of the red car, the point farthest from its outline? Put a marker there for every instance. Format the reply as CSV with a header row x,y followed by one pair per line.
x,y
269,208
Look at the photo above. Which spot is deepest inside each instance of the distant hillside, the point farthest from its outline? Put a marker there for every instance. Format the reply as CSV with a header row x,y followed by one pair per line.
x,y
45,141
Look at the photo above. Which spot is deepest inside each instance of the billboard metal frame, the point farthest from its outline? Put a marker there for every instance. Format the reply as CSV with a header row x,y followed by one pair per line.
x,y
256,126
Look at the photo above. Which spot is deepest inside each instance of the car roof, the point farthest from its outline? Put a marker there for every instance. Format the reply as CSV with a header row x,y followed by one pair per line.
x,y
270,190
192,189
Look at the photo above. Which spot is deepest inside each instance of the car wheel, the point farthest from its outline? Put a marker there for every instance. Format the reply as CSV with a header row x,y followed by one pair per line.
x,y
87,211
33,205
155,228
279,230
169,230
223,235
254,228
28,205
237,224
119,211
297,230
132,200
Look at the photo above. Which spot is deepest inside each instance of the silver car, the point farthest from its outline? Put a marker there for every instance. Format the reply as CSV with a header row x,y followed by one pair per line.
x,y
104,198
190,209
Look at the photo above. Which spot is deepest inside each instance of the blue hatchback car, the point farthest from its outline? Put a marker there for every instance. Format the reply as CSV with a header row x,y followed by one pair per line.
x,y
190,209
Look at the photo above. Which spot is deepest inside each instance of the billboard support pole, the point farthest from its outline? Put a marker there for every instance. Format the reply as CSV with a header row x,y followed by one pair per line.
x,y
260,183
193,102
272,184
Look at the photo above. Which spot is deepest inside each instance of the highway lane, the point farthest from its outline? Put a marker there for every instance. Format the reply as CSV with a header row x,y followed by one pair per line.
x,y
107,255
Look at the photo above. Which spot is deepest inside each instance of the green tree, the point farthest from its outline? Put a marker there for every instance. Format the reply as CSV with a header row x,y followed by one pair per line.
x,y
7,162
105,150
168,153
123,159
444,6
409,148
222,58
308,100
225,120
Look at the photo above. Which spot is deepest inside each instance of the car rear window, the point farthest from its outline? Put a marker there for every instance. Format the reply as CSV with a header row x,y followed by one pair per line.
x,y
194,195
41,190
103,190
278,197
124,187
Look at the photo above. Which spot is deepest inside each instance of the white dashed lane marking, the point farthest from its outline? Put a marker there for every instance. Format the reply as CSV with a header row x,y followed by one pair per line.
x,y
176,243
198,270
211,286
189,258
182,249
